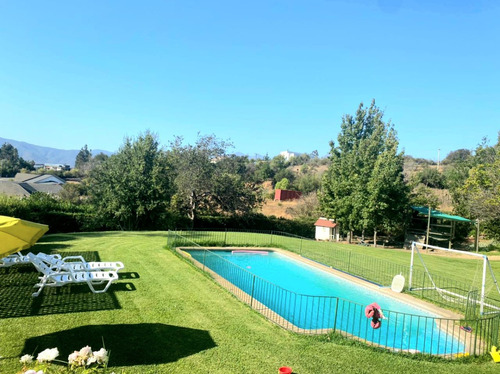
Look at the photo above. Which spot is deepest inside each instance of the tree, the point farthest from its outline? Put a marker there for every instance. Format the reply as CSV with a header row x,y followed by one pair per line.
x,y
481,191
83,158
71,192
9,160
459,155
11,163
133,187
363,187
387,203
263,171
423,196
430,178
307,207
308,183
282,184
207,180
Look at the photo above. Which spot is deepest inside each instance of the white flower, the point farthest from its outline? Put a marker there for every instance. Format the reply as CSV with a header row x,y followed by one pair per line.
x,y
75,359
101,356
33,372
26,359
48,355
85,352
91,360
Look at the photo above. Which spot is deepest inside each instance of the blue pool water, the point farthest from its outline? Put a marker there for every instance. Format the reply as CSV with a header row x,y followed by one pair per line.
x,y
311,298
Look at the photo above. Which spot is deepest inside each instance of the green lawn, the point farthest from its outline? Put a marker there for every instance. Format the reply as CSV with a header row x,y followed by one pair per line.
x,y
165,316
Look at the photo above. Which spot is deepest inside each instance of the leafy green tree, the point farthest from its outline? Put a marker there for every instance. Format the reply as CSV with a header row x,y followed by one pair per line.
x,y
481,191
9,160
423,196
363,188
207,180
282,184
308,183
72,193
133,187
99,158
83,158
430,178
459,155
263,171
387,203
278,163
285,174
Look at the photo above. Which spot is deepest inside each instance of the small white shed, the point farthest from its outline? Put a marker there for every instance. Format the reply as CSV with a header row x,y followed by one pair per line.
x,y
327,229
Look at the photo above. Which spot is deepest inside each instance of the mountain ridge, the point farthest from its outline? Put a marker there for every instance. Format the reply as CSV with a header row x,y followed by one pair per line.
x,y
47,155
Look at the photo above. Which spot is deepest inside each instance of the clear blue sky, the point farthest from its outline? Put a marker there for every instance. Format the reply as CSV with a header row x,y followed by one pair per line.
x,y
269,75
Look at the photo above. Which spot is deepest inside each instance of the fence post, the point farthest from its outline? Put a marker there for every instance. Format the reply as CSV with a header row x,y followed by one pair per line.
x,y
251,296
349,263
336,309
271,237
301,246
204,255
225,236
168,239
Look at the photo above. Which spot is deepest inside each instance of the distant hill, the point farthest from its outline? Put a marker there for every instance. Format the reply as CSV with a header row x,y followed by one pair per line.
x,y
46,155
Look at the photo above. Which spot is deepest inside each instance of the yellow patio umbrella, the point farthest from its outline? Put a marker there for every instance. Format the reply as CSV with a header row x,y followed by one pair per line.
x,y
17,234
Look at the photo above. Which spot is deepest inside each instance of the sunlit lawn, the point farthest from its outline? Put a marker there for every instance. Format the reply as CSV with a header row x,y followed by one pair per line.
x,y
165,316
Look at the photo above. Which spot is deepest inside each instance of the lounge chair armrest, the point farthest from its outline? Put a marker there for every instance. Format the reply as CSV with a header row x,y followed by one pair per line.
x,y
80,258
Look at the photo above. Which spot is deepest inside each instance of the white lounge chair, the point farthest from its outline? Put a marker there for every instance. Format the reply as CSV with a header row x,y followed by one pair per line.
x,y
78,263
58,278
18,258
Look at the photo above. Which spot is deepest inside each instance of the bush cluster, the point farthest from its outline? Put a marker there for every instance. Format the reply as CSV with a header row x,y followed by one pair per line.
x,y
66,217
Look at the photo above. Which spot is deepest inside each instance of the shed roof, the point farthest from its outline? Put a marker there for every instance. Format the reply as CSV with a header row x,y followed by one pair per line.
x,y
325,223
437,214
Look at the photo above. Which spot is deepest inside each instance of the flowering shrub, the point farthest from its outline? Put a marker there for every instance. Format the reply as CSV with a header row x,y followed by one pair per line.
x,y
83,361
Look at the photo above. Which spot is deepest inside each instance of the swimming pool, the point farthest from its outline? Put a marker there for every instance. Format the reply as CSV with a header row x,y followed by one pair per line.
x,y
312,299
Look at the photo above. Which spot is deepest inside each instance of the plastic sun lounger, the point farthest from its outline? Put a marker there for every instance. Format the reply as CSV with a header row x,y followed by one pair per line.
x,y
18,258
58,278
78,263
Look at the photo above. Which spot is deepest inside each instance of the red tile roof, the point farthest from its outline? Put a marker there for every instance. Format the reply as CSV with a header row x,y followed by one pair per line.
x,y
325,223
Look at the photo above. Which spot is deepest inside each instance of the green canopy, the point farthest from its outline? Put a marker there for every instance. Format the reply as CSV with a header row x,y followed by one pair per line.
x,y
437,214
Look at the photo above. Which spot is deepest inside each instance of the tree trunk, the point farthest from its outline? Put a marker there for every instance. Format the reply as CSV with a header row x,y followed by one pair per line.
x,y
375,238
350,237
192,207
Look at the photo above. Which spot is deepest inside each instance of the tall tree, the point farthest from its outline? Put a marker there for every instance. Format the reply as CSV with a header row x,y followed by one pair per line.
x,y
480,193
364,188
133,187
9,160
83,158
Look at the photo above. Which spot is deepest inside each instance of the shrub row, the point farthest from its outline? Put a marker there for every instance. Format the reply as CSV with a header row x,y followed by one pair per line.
x,y
67,217
257,222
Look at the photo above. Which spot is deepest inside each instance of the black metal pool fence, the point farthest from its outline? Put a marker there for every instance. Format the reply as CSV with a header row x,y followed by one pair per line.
x,y
472,335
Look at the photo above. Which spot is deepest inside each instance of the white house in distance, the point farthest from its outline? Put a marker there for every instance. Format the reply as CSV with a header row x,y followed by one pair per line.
x,y
288,155
327,229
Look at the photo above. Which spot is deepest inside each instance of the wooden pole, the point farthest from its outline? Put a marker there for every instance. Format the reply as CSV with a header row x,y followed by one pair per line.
x,y
477,235
428,227
452,234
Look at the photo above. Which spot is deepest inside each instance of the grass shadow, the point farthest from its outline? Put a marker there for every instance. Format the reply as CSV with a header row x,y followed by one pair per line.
x,y
128,275
16,288
129,344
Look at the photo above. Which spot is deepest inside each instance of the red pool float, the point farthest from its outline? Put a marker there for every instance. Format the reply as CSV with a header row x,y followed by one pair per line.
x,y
285,370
